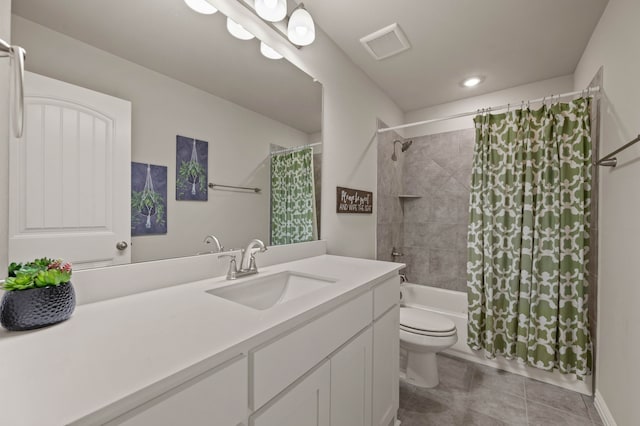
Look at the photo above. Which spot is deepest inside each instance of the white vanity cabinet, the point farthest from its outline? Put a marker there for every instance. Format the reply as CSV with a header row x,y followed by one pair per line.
x,y
386,360
217,397
339,368
351,378
306,404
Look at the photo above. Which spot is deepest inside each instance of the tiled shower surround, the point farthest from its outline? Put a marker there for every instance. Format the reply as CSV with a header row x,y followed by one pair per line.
x,y
390,217
431,230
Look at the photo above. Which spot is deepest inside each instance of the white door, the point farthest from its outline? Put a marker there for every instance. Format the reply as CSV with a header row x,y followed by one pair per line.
x,y
386,360
306,404
70,178
351,370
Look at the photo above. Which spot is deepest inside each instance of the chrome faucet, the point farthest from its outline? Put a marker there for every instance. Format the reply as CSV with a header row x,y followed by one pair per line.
x,y
212,239
247,262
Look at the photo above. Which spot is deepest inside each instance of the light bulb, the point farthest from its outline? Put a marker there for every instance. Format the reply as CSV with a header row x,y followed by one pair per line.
x,y
271,10
301,29
237,30
201,6
268,52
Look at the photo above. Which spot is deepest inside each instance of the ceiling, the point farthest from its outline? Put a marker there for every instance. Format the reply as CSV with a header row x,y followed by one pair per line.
x,y
166,36
509,42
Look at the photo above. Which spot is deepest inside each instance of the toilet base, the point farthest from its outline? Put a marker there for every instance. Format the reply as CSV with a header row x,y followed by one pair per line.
x,y
422,369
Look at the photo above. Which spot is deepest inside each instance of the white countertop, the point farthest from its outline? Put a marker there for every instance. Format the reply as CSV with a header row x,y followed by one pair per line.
x,y
139,344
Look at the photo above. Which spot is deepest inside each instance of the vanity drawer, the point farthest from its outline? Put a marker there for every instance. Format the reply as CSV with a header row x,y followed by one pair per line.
x,y
386,295
281,362
218,396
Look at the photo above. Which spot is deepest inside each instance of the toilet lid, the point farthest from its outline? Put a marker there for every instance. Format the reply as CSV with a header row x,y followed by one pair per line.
x,y
423,322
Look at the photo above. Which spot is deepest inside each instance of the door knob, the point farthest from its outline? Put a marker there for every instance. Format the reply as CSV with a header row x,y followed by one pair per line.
x,y
122,245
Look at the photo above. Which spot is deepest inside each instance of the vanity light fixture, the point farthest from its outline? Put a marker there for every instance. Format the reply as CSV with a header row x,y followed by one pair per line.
x,y
269,52
271,10
201,6
301,30
472,81
237,30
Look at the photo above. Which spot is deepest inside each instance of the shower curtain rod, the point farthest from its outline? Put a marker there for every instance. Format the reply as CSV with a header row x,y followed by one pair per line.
x,y
295,148
595,89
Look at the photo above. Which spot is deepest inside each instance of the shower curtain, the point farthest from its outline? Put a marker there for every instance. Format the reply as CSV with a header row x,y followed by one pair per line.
x,y
292,197
528,238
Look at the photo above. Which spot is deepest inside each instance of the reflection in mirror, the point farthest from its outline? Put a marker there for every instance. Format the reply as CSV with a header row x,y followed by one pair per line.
x,y
134,109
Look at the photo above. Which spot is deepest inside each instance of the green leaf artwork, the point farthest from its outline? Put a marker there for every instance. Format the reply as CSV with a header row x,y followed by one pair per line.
x,y
148,199
192,158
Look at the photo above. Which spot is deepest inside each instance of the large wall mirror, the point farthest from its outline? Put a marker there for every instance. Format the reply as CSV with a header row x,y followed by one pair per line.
x,y
204,108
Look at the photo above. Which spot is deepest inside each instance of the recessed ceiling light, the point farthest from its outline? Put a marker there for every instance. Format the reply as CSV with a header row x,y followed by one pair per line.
x,y
269,52
472,81
237,30
201,6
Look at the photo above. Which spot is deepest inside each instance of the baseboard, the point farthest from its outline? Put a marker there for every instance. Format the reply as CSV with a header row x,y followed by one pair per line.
x,y
566,381
603,410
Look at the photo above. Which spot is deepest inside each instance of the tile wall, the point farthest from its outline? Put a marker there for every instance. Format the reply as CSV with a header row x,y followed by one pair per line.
x,y
390,218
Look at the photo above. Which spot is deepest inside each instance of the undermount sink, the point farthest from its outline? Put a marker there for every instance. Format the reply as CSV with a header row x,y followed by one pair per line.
x,y
265,292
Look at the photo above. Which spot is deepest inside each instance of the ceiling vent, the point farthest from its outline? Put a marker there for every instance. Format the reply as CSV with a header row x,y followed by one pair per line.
x,y
386,42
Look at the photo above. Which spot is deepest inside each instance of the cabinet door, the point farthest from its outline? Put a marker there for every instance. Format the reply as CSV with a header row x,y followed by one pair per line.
x,y
351,370
386,348
305,404
218,397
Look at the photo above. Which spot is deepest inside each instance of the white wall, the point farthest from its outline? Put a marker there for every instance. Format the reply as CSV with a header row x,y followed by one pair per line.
x,y
352,102
163,108
5,34
615,44
514,95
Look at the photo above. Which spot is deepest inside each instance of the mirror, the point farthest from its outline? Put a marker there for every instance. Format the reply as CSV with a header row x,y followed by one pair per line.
x,y
206,108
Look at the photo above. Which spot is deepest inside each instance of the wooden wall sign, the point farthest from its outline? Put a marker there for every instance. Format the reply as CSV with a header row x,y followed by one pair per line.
x,y
353,201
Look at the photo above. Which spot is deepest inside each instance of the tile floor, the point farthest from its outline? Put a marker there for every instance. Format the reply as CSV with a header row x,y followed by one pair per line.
x,y
472,394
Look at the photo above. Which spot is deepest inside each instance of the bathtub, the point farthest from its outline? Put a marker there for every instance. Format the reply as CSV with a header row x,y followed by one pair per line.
x,y
453,305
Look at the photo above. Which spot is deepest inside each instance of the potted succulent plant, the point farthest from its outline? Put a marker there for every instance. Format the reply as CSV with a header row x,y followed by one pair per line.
x,y
37,294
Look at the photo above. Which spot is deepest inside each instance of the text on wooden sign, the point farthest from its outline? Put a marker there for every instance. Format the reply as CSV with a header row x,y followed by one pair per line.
x,y
350,200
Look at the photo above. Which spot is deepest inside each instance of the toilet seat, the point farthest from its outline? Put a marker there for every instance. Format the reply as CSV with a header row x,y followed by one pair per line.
x,y
425,323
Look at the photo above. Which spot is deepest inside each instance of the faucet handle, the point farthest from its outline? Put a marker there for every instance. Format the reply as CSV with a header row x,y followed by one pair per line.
x,y
252,263
233,267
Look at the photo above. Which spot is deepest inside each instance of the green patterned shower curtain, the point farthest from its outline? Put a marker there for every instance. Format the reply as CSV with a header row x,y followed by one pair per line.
x,y
292,197
528,240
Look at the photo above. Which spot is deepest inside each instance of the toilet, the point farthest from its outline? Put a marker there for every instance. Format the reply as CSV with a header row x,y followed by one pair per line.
x,y
422,335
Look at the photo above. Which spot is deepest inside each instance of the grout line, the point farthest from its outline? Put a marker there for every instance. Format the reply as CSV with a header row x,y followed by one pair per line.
x,y
473,377
526,402
563,411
